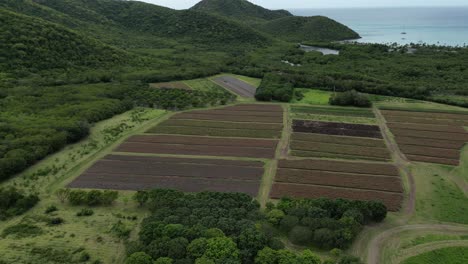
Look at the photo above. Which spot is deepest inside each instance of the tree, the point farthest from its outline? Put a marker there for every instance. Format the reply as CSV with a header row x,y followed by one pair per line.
x,y
275,216
197,248
307,257
141,197
62,194
288,222
164,261
221,249
300,235
139,258
267,256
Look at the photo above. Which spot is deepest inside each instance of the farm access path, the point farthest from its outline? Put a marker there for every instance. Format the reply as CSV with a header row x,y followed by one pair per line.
x,y
374,246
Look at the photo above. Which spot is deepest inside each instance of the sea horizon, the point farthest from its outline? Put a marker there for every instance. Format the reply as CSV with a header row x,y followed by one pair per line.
x,y
403,25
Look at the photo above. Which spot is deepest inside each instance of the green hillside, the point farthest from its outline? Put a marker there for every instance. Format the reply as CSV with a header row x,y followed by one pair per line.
x,y
35,44
239,9
112,19
317,28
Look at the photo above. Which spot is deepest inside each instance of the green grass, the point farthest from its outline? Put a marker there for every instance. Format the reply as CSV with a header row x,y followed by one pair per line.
x,y
91,234
437,197
429,238
334,111
205,85
313,97
452,255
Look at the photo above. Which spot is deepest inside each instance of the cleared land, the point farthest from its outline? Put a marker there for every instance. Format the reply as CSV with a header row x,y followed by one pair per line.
x,y
199,146
236,86
337,179
170,85
341,129
188,175
335,111
429,136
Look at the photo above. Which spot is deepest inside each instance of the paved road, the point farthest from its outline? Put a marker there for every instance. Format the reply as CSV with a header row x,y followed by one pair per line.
x,y
236,86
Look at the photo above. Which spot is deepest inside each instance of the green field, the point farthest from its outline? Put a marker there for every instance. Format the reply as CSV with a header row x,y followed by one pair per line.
x,y
453,255
312,96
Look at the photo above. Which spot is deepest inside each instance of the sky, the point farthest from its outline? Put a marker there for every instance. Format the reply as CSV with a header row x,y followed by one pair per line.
x,y
292,4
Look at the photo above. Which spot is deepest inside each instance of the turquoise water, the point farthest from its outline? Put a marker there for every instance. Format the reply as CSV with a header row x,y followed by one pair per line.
x,y
441,25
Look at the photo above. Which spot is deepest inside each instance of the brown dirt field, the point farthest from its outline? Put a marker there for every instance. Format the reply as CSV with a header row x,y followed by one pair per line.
x,y
430,152
419,158
430,142
356,141
196,150
429,121
255,107
320,124
435,128
170,85
215,132
222,162
236,86
204,141
392,200
217,124
349,180
224,112
325,155
341,149
176,169
130,182
433,115
232,118
341,166
339,129
430,134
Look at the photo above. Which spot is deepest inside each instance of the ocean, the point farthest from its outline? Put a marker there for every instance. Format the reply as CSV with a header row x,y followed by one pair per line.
x,y
431,25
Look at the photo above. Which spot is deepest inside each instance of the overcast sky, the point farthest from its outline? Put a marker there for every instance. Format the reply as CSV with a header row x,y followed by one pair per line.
x,y
291,4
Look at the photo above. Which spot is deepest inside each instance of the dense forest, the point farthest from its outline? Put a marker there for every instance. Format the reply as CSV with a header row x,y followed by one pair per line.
x,y
229,228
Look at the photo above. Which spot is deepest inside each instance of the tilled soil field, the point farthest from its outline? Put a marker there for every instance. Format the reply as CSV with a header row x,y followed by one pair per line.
x,y
255,108
189,175
236,86
215,132
341,149
356,141
335,111
327,155
392,200
337,179
196,150
429,137
231,118
225,125
204,141
341,129
224,112
341,166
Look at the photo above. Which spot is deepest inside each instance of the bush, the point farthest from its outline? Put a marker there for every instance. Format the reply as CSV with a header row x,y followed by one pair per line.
x,y
139,258
350,98
22,230
300,235
13,202
51,209
92,198
85,212
55,221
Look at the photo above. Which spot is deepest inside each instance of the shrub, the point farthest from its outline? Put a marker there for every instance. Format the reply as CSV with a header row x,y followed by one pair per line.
x,y
92,198
350,98
22,230
300,235
85,212
139,258
13,202
288,222
55,221
51,209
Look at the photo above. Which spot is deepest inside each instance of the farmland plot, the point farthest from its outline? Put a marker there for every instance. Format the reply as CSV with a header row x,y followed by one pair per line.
x,y
341,129
429,136
188,175
315,178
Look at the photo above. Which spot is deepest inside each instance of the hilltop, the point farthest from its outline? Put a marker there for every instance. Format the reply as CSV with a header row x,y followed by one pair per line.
x,y
278,23
240,9
317,28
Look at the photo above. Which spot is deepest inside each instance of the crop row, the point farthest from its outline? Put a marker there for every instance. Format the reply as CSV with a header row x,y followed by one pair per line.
x,y
311,137
337,179
255,108
341,166
341,149
425,127
170,160
318,124
427,120
421,158
338,132
230,118
430,152
196,150
430,134
224,112
214,132
432,115
435,143
328,155
217,124
390,199
333,111
203,141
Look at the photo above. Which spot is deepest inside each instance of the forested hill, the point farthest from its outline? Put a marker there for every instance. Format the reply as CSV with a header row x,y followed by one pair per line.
x,y
240,9
280,23
34,44
317,28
